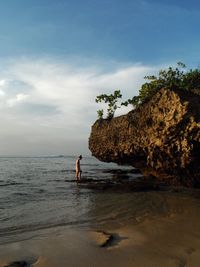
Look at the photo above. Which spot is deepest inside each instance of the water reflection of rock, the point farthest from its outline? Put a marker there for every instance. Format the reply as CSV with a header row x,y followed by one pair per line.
x,y
120,184
118,179
112,208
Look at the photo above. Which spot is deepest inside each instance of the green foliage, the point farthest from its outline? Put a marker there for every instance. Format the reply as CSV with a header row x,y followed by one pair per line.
x,y
112,100
100,114
171,78
191,80
133,101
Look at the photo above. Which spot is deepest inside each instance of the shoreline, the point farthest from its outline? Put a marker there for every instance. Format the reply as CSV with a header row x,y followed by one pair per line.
x,y
171,241
136,229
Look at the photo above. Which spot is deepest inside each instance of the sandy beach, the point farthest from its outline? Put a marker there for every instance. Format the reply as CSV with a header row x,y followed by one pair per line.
x,y
165,241
46,222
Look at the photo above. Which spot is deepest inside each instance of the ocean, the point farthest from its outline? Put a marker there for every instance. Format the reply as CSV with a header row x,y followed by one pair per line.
x,y
39,193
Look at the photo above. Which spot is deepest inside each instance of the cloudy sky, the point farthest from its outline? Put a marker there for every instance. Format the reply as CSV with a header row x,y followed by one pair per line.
x,y
56,56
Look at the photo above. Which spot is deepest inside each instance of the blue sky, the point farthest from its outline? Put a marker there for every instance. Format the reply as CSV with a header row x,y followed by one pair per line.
x,y
56,56
144,31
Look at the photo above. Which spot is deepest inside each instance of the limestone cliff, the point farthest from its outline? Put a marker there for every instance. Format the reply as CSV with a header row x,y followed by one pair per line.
x,y
161,137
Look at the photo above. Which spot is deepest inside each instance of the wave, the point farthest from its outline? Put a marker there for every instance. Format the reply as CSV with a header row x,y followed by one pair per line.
x,y
9,183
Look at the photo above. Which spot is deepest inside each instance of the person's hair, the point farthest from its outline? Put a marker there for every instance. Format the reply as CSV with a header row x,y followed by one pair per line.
x,y
80,157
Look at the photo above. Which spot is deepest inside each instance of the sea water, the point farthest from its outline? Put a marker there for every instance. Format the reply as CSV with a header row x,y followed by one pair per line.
x,y
38,193
35,193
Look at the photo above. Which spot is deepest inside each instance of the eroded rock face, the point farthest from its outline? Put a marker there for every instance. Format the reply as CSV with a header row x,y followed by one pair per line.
x,y
161,138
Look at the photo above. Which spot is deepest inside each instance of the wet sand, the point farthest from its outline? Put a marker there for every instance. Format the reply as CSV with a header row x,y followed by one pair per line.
x,y
171,241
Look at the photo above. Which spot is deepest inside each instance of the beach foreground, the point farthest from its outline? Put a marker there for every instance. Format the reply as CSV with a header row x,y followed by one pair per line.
x,y
49,221
171,241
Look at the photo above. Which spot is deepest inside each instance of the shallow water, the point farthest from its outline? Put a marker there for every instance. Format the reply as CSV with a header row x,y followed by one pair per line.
x,y
35,195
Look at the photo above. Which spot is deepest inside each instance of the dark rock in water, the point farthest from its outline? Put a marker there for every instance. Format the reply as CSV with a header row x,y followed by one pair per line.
x,y
161,138
104,239
18,264
138,184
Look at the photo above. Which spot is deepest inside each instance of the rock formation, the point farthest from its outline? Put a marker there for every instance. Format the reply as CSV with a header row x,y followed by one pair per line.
x,y
161,137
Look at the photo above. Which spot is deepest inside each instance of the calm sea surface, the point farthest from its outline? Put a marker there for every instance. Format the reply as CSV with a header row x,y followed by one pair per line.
x,y
36,193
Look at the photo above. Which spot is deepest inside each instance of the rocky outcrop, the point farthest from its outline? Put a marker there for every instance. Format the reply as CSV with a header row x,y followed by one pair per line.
x,y
161,137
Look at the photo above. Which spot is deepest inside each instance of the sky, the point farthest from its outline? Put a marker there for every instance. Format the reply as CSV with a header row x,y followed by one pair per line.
x,y
57,56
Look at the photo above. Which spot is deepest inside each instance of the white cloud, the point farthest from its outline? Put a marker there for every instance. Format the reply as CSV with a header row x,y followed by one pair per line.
x,y
19,98
2,93
2,82
56,101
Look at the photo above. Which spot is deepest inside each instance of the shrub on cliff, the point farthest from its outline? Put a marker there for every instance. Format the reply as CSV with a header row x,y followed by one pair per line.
x,y
112,100
171,78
